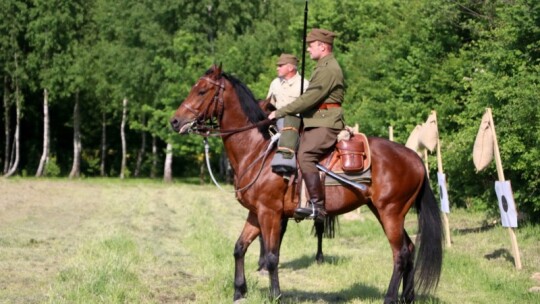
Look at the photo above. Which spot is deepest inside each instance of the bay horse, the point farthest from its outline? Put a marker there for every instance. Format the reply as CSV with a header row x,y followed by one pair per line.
x,y
219,104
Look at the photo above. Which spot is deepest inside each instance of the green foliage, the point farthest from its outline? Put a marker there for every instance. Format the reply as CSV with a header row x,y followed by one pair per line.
x,y
401,60
52,169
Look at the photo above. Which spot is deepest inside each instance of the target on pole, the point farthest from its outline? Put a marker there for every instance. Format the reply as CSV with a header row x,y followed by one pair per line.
x,y
443,193
507,206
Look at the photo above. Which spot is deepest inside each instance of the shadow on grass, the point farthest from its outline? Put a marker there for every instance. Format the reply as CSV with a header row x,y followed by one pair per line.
x,y
500,253
355,292
483,228
307,260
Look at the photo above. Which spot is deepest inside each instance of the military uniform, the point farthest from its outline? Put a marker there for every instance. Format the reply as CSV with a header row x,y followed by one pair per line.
x,y
319,106
284,91
322,115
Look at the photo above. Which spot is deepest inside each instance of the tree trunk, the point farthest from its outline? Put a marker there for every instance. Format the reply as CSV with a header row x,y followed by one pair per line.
x,y
13,165
141,153
123,137
77,146
46,139
103,143
153,170
7,130
167,170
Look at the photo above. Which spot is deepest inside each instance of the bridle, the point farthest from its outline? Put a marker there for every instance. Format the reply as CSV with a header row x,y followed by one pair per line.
x,y
210,126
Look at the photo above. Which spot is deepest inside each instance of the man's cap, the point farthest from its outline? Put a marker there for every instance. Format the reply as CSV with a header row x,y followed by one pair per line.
x,y
287,58
321,35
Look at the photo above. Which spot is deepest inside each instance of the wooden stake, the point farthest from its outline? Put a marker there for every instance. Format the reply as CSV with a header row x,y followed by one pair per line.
x,y
440,170
391,133
500,173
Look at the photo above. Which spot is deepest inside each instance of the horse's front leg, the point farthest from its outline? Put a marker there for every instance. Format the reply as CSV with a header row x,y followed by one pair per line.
x,y
270,224
249,233
262,261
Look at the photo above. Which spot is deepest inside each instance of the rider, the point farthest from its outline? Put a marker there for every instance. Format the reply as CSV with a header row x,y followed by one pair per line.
x,y
283,90
320,109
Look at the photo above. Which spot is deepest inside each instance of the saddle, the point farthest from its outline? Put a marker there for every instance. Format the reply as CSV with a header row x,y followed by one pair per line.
x,y
351,159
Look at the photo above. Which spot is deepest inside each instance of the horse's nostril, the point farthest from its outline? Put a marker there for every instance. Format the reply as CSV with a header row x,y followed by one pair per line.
x,y
174,123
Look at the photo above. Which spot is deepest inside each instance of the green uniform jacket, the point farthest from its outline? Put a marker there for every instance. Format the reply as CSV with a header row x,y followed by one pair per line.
x,y
325,86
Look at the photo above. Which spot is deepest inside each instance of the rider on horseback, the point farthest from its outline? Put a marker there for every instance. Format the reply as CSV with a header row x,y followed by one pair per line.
x,y
283,90
322,115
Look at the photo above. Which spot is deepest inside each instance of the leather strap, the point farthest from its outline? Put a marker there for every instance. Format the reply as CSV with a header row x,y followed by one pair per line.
x,y
326,106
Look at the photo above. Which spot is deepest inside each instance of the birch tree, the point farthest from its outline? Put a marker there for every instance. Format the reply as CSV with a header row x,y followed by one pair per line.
x,y
46,138
123,137
77,145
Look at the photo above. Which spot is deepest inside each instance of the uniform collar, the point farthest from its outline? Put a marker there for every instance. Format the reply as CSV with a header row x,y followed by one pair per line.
x,y
292,80
324,61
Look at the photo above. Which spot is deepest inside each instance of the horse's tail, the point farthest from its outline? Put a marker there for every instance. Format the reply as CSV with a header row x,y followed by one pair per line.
x,y
429,241
329,230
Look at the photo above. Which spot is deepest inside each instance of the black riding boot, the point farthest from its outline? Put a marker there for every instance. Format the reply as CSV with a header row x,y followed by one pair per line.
x,y
315,208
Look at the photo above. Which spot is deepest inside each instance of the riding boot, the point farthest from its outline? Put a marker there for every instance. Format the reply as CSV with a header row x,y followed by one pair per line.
x,y
315,208
284,161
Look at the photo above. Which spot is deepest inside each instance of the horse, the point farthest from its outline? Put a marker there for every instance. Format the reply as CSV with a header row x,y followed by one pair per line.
x,y
320,229
219,104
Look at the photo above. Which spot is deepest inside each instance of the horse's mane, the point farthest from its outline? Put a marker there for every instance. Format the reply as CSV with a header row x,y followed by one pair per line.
x,y
249,104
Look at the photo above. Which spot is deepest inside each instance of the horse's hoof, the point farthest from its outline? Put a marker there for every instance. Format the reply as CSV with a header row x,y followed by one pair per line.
x,y
263,272
242,300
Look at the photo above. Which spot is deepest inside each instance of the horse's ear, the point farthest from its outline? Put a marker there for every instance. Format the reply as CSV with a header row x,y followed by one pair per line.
x,y
216,70
219,69
266,105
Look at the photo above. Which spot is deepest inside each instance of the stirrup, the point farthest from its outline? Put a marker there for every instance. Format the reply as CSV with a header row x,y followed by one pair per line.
x,y
314,213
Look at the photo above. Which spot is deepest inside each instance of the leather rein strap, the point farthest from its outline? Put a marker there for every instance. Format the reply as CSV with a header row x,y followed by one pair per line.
x,y
206,130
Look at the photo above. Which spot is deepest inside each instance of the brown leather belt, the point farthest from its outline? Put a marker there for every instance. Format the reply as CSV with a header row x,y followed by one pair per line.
x,y
326,106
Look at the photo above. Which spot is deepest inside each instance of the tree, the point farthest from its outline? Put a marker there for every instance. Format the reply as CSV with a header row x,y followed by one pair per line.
x,y
46,138
13,20
54,29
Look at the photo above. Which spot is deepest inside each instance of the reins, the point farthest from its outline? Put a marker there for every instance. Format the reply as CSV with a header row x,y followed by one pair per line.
x,y
208,132
263,157
200,127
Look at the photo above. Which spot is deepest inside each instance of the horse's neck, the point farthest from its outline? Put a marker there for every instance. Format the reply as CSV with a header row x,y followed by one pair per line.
x,y
244,148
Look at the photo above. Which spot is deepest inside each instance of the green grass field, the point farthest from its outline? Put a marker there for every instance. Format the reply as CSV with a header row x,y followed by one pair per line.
x,y
139,241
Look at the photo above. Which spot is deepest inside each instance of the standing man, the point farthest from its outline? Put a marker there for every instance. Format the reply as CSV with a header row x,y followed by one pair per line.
x,y
283,90
320,108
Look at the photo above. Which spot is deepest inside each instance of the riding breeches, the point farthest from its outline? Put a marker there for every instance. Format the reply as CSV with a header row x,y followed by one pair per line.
x,y
315,143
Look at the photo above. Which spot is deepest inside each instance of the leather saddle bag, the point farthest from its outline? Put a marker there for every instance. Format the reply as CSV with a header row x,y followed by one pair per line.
x,y
353,154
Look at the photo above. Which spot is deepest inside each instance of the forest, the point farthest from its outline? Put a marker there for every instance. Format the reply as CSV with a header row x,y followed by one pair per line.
x,y
88,86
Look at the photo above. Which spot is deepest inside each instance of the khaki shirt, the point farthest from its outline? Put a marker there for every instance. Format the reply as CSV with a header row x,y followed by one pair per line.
x,y
285,91
325,86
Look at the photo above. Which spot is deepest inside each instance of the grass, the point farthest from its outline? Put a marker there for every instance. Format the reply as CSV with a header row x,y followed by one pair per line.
x,y
140,241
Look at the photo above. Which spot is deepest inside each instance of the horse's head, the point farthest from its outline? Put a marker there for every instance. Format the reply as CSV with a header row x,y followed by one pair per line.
x,y
203,104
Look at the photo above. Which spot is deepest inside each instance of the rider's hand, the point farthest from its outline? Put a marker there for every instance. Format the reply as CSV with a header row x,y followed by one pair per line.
x,y
272,115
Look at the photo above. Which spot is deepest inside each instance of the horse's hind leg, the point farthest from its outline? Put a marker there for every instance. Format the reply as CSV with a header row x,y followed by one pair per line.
x,y
249,233
402,254
319,231
408,272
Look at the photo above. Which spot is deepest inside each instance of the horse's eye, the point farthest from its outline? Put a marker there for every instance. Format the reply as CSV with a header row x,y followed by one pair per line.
x,y
202,92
